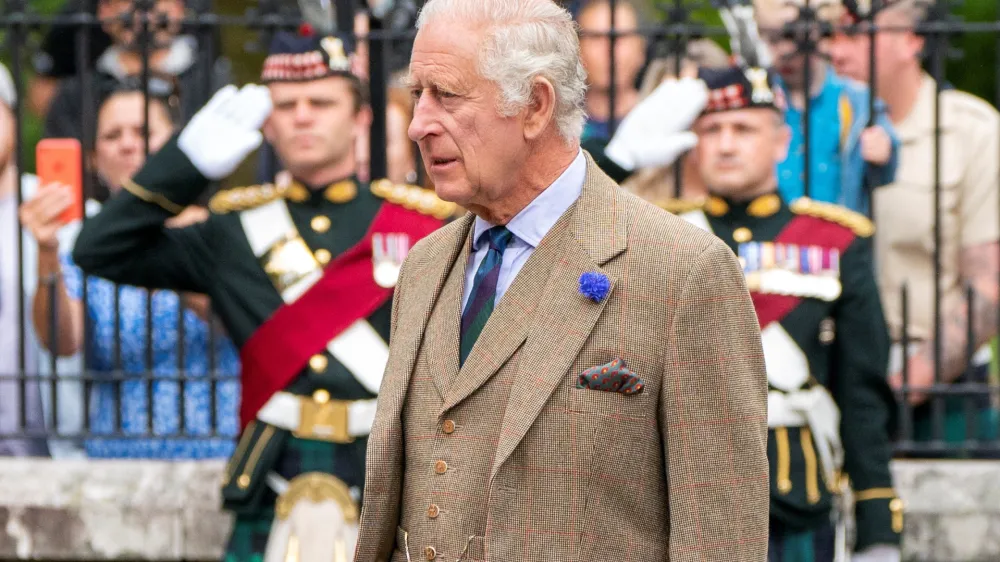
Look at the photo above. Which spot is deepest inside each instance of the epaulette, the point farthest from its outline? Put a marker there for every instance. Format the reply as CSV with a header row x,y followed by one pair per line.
x,y
243,198
415,198
858,223
681,206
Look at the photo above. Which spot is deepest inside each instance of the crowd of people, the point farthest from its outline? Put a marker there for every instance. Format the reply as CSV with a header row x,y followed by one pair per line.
x,y
835,206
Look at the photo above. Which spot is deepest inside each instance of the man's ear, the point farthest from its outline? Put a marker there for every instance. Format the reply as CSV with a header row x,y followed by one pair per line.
x,y
540,110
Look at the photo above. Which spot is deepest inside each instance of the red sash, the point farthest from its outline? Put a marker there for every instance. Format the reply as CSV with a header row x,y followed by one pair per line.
x,y
802,230
281,347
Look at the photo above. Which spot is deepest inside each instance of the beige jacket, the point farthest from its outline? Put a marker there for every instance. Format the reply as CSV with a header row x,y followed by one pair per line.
x,y
507,460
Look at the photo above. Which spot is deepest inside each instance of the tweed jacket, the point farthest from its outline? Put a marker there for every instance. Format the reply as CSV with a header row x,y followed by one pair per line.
x,y
505,459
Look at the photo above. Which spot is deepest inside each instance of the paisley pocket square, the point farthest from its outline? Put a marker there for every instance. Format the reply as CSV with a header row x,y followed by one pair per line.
x,y
611,377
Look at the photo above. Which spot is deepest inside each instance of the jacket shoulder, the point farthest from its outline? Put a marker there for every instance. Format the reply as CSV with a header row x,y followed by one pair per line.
x,y
861,225
660,221
415,198
243,198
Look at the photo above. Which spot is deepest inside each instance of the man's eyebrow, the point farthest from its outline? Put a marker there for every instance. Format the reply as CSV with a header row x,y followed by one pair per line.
x,y
409,82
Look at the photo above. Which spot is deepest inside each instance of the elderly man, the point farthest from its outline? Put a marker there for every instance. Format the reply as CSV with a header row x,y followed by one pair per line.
x,y
966,163
574,374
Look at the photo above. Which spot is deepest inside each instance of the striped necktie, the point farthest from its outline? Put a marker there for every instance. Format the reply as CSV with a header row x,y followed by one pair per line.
x,y
484,290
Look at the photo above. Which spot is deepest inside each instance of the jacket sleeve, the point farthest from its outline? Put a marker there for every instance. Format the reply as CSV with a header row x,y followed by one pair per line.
x,y
866,402
128,242
714,417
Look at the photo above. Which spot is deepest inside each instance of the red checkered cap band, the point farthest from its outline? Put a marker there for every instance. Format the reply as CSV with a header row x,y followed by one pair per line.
x,y
729,97
735,96
303,66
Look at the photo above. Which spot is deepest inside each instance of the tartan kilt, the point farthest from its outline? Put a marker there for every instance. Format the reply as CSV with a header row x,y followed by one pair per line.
x,y
801,545
248,539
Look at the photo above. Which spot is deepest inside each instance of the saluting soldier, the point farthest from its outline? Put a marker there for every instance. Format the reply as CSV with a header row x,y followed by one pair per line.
x,y
301,272
808,266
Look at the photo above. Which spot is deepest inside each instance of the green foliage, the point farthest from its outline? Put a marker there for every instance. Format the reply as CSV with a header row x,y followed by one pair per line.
x,y
976,72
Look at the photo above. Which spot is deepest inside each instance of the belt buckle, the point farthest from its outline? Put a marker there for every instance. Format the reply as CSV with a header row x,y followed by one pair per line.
x,y
323,419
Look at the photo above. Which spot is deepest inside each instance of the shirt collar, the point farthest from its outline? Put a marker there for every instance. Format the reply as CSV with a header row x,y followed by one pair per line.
x,y
535,220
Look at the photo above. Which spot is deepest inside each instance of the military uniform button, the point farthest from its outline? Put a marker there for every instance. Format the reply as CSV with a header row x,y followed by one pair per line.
x,y
318,363
323,256
433,511
448,427
430,553
440,467
321,396
742,234
243,482
320,223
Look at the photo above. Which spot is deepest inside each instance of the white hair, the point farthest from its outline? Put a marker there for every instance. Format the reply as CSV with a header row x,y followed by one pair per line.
x,y
524,39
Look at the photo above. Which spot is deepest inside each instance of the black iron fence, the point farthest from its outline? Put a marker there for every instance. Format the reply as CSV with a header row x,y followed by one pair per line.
x,y
145,392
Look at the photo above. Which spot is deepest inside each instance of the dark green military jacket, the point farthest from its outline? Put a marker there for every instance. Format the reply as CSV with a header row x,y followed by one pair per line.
x,y
128,243
841,337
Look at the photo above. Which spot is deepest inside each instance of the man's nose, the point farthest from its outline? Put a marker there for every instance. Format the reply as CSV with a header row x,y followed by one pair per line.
x,y
132,142
303,113
424,122
727,141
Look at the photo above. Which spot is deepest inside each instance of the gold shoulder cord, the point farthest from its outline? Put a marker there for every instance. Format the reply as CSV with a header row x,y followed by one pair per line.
x,y
858,223
414,198
152,197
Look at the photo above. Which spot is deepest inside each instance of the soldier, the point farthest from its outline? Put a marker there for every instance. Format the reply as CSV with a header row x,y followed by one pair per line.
x,y
808,266
300,271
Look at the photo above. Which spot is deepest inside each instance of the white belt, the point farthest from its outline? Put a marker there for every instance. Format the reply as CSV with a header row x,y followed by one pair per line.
x,y
284,410
814,408
780,412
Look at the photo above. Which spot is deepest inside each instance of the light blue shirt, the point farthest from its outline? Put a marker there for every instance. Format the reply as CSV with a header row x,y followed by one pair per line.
x,y
528,227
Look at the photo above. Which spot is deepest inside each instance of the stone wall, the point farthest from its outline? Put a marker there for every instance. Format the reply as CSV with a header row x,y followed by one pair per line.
x,y
128,510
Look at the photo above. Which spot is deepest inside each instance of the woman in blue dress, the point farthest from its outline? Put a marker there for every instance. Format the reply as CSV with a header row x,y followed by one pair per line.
x,y
130,366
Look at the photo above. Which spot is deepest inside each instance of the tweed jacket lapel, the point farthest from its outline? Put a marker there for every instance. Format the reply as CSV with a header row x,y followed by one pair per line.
x,y
565,318
429,279
510,321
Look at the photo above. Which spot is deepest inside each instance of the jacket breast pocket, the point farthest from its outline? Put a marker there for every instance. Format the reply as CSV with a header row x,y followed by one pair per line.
x,y
607,403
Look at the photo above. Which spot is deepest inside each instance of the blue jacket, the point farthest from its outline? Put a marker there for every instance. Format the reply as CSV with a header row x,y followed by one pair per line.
x,y
857,177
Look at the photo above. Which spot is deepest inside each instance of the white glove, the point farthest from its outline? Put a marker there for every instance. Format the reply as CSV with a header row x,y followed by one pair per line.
x,y
656,131
877,553
226,130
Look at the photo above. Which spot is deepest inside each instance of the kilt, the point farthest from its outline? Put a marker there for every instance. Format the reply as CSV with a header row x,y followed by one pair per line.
x,y
800,545
248,539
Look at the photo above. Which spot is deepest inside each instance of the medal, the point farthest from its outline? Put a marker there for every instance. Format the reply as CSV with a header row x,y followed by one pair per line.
x,y
388,252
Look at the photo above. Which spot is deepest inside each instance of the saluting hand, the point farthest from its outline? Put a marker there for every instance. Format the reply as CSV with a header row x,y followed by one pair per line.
x,y
226,130
40,214
657,131
876,146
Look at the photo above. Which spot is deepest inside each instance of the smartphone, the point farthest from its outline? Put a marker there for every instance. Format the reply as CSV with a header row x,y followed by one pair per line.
x,y
59,160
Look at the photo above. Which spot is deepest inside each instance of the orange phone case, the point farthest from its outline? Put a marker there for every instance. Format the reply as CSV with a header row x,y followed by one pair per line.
x,y
59,160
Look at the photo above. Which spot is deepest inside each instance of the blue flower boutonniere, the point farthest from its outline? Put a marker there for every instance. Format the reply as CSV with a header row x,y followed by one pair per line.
x,y
594,285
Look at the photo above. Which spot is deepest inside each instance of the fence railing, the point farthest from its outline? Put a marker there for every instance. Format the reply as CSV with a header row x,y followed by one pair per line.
x,y
127,397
